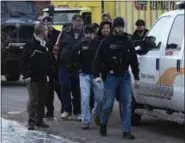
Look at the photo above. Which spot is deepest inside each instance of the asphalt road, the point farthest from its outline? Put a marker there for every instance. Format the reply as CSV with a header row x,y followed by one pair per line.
x,y
152,130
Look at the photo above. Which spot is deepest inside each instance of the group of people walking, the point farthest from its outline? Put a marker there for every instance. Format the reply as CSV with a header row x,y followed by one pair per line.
x,y
87,66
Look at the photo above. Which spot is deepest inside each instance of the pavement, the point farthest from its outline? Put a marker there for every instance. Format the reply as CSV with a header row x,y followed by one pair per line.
x,y
151,130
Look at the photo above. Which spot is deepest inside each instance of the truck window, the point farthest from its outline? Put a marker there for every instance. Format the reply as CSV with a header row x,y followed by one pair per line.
x,y
61,17
176,35
155,36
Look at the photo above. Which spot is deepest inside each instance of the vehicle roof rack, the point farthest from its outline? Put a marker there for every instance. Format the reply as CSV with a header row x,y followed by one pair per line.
x,y
180,4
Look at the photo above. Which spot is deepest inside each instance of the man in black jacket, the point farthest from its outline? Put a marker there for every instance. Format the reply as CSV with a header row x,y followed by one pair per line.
x,y
116,53
140,32
83,57
35,65
53,84
68,76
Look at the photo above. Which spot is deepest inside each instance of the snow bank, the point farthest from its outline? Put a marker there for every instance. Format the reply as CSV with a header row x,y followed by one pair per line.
x,y
13,132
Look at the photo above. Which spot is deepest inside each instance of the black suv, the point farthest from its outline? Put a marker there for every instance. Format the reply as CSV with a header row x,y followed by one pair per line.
x,y
18,19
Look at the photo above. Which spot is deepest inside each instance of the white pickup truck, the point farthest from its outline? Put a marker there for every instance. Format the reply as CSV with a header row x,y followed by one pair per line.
x,y
162,66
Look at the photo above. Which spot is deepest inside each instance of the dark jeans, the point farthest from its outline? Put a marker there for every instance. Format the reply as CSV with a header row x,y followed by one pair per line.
x,y
69,81
111,84
53,86
91,100
36,102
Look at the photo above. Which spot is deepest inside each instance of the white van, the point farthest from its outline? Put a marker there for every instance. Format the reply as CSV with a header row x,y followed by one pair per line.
x,y
162,66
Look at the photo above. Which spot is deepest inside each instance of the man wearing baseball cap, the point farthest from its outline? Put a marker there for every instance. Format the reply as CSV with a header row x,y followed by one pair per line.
x,y
140,32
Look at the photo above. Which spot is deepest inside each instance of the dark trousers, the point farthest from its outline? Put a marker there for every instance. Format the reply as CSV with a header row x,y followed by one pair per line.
x,y
36,103
69,81
53,87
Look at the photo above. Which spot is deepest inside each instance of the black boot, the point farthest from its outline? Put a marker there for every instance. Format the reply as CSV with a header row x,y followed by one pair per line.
x,y
42,124
128,135
103,130
49,115
31,127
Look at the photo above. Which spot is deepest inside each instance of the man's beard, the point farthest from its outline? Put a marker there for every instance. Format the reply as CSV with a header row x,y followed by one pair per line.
x,y
119,33
77,29
140,31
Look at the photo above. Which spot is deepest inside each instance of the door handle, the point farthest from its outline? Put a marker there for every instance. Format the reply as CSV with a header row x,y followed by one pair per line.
x,y
157,64
178,66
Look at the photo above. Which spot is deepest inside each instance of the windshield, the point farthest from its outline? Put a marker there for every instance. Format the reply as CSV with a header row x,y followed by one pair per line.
x,y
63,17
20,6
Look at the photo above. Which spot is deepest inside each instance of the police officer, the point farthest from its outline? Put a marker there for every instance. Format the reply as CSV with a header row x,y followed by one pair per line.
x,y
84,55
68,76
116,53
35,65
53,77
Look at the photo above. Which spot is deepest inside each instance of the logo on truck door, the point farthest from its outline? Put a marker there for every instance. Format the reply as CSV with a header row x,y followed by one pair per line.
x,y
163,87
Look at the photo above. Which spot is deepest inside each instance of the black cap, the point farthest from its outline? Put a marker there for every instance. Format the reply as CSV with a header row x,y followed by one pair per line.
x,y
118,21
140,22
95,25
47,19
89,29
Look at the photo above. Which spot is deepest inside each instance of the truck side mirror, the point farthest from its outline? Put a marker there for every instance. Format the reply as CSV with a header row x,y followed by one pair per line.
x,y
51,10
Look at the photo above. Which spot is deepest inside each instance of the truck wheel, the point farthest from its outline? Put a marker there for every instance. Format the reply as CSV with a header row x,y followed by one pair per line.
x,y
12,77
136,118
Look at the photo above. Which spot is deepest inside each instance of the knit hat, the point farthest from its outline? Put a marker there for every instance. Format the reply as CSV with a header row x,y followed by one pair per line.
x,y
118,21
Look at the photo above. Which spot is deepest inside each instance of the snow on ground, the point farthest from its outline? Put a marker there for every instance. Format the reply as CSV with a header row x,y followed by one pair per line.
x,y
13,132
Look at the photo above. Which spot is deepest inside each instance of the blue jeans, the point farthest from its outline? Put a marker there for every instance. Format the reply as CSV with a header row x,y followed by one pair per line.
x,y
86,81
111,84
69,82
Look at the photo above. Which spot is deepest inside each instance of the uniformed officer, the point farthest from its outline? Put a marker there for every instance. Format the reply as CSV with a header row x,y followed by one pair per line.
x,y
116,53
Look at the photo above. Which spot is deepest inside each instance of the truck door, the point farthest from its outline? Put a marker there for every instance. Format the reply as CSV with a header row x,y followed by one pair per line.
x,y
149,64
171,66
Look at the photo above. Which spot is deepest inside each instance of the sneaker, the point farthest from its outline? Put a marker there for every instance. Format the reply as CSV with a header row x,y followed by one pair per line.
x,y
128,135
97,120
85,126
65,115
78,117
103,130
49,115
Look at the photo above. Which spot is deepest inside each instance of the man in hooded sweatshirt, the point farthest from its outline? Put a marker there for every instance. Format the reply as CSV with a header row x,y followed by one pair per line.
x,y
116,53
